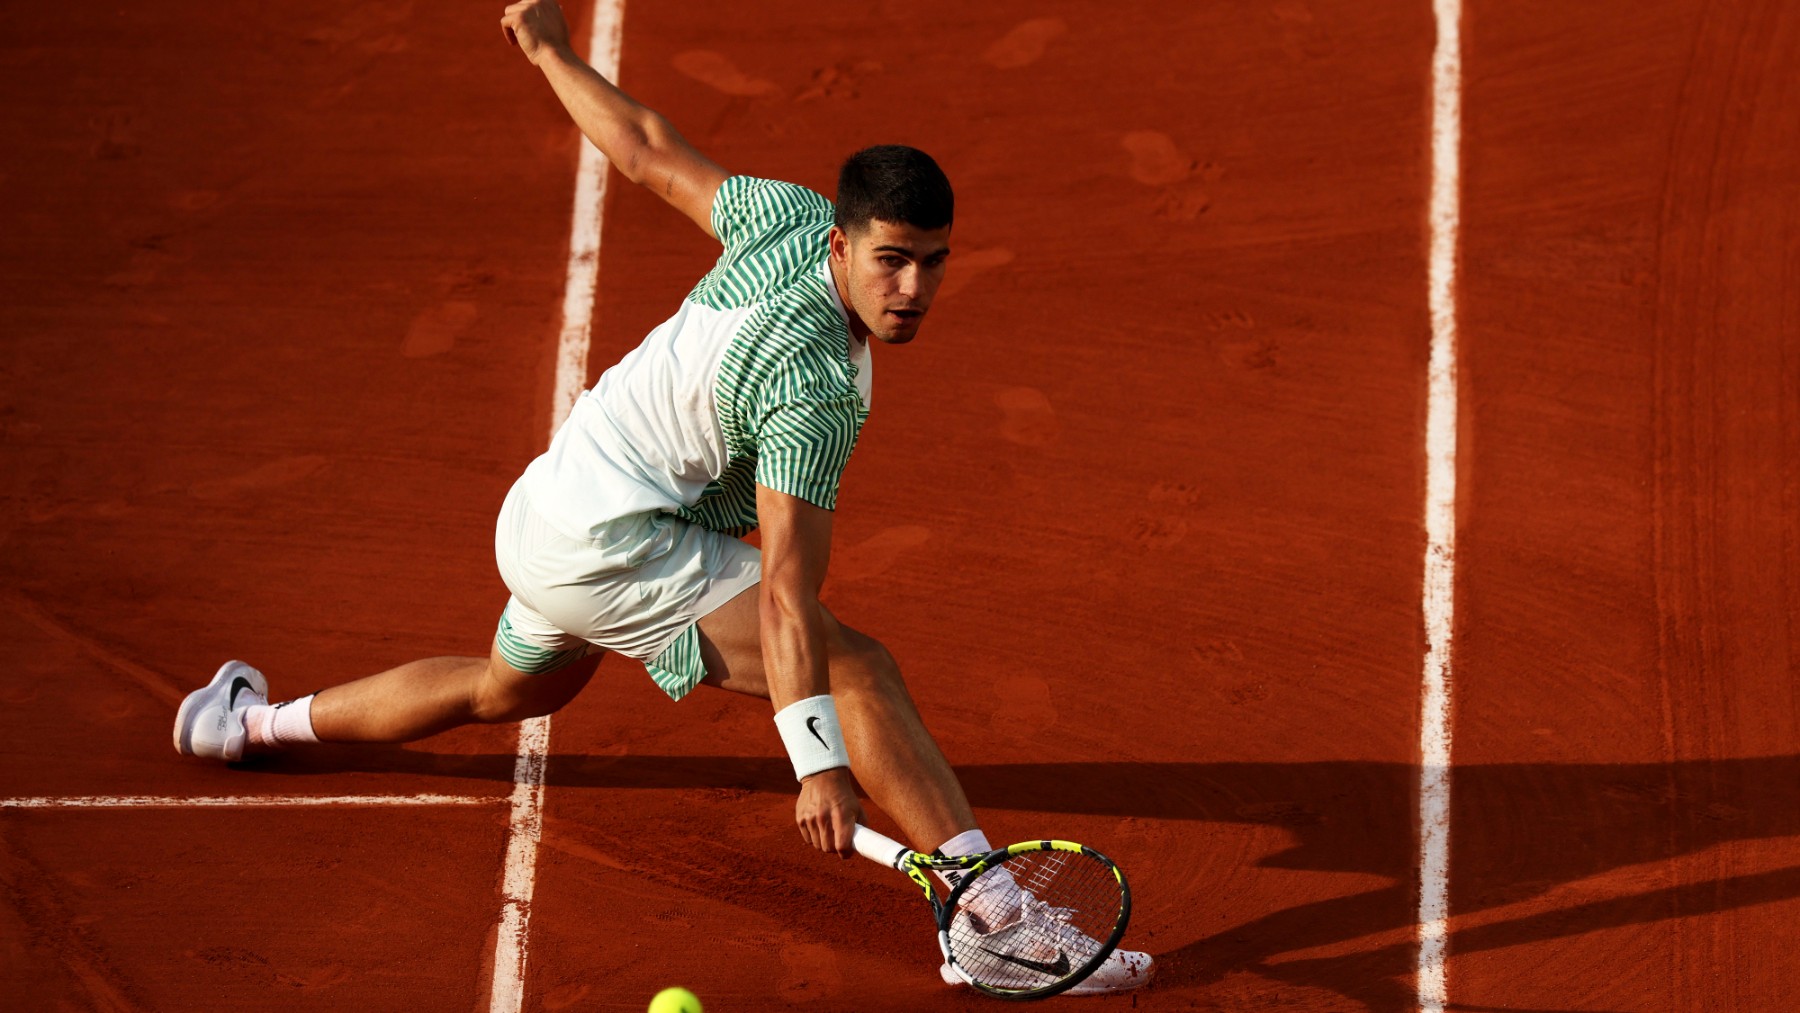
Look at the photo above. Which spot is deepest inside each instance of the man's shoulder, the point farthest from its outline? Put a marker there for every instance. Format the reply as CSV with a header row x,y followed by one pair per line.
x,y
752,202
768,252
751,214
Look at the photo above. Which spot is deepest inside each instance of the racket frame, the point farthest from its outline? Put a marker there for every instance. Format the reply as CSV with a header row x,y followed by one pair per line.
x,y
918,867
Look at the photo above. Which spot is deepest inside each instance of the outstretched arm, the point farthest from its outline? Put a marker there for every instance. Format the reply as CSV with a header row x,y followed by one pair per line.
x,y
796,546
643,145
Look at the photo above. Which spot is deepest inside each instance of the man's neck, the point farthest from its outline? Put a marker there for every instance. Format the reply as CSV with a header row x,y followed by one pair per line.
x,y
859,332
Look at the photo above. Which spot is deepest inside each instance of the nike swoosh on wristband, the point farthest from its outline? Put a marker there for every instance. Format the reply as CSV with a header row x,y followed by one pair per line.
x,y
1060,968
238,685
811,726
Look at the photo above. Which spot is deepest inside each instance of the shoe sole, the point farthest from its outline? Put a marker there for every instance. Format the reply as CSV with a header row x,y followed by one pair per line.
x,y
1085,987
1143,977
191,706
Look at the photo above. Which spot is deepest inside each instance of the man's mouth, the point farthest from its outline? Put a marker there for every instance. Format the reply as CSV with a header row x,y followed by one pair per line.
x,y
906,315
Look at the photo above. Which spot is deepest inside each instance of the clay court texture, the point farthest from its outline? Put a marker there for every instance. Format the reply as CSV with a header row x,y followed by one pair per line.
x,y
1146,513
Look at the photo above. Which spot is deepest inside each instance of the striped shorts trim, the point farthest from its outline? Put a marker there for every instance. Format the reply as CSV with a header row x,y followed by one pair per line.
x,y
678,669
527,657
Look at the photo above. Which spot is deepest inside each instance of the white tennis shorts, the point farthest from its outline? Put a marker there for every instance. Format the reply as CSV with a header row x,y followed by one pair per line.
x,y
638,589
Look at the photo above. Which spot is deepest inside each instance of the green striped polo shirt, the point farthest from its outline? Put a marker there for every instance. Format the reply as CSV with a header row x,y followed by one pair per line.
x,y
754,380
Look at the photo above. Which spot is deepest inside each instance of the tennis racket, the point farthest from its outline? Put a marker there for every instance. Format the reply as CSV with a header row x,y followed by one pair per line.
x,y
1023,922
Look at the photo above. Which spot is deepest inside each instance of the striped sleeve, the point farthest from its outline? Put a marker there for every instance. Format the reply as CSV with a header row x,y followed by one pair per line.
x,y
747,207
803,447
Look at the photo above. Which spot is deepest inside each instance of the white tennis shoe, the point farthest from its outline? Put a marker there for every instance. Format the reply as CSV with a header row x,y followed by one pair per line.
x,y
210,722
1041,938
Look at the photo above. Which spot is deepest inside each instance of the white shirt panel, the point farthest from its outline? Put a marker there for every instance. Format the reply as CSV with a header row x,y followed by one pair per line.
x,y
646,436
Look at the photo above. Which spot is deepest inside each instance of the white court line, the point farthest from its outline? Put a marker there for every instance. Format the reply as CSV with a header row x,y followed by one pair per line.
x,y
526,823
1440,510
239,801
582,285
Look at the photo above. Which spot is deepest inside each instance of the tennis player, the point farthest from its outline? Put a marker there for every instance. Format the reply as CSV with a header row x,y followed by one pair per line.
x,y
738,412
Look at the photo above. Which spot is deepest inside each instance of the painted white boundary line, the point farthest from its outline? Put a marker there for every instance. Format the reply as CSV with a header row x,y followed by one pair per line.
x,y
523,830
584,231
239,801
525,826
1440,510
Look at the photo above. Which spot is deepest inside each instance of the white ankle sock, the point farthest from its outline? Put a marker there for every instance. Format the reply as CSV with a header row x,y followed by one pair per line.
x,y
994,898
293,723
969,842
281,725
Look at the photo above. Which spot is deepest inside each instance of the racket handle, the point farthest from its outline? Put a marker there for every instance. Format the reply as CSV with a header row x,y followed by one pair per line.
x,y
878,848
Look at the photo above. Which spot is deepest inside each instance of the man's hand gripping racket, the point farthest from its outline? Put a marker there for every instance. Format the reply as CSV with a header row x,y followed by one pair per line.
x,y
1022,922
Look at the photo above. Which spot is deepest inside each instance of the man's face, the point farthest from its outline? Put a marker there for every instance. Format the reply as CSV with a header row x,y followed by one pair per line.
x,y
890,273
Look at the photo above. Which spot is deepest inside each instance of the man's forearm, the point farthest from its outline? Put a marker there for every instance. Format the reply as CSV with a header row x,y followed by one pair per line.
x,y
638,141
620,126
794,658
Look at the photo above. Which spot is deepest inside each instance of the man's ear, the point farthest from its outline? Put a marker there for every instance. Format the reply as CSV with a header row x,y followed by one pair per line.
x,y
839,244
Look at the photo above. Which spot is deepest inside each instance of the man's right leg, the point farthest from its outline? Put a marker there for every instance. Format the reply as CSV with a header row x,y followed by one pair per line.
x,y
534,667
228,717
423,698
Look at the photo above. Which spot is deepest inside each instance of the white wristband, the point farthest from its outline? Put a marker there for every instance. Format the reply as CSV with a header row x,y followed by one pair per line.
x,y
809,730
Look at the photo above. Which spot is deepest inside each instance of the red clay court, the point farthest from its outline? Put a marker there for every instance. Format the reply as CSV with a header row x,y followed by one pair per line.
x,y
1143,514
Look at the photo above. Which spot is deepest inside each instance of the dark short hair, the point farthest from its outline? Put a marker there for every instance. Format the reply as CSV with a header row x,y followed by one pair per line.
x,y
894,183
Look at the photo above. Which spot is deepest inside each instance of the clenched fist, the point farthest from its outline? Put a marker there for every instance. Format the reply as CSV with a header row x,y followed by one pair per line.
x,y
536,27
828,811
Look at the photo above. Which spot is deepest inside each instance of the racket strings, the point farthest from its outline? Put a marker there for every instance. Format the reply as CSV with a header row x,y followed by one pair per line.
x,y
1063,907
1042,873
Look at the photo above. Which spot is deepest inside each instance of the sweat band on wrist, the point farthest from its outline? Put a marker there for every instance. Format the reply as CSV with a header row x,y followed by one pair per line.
x,y
809,730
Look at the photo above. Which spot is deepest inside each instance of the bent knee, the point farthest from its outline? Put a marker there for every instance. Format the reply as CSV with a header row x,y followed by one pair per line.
x,y
496,709
492,705
504,695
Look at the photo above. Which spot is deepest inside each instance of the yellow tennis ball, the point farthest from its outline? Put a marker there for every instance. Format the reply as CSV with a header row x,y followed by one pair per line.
x,y
675,1000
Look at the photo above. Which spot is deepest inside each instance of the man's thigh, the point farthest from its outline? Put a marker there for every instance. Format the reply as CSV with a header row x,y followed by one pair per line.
x,y
505,693
731,644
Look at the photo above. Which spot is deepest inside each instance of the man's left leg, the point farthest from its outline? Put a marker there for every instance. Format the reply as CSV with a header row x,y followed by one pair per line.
x,y
893,754
896,759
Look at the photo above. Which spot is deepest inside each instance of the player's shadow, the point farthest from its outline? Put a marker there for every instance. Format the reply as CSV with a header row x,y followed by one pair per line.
x,y
1520,834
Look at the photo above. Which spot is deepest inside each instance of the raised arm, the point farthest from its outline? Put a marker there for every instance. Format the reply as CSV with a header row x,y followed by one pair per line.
x,y
643,145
